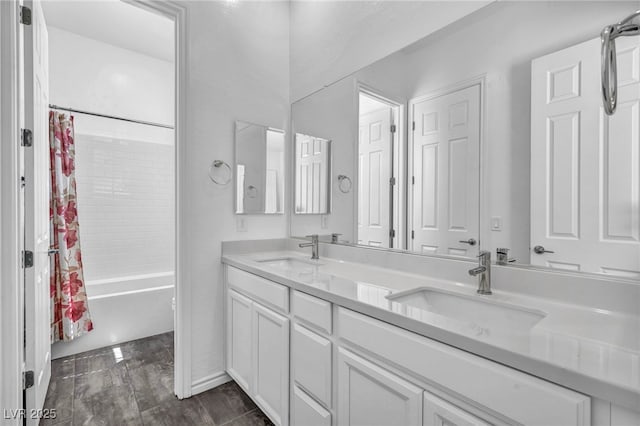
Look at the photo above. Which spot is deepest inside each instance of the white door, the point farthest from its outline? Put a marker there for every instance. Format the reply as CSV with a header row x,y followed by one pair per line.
x,y
312,174
36,209
585,165
438,412
270,348
374,182
369,395
446,172
239,323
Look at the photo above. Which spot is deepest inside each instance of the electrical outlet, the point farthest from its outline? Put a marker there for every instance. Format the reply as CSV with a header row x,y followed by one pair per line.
x,y
324,221
496,223
241,224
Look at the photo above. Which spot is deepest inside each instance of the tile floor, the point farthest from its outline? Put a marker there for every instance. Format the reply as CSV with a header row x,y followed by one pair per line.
x,y
132,384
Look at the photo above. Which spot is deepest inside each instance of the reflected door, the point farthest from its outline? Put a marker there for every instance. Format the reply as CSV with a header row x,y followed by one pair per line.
x,y
374,182
585,165
446,171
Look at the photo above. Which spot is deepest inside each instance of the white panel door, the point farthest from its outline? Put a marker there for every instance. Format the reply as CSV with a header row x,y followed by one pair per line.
x,y
446,172
375,172
36,193
369,395
270,349
239,332
312,163
585,165
438,412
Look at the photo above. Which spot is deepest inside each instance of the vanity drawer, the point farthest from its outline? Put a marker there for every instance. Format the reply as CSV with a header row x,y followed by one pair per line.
x,y
271,294
311,363
516,395
306,412
316,312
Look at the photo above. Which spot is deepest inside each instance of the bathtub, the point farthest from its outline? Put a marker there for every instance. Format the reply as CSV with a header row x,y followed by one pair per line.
x,y
123,309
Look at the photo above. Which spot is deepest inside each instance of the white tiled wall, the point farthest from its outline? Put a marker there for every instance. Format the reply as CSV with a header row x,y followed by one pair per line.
x,y
125,206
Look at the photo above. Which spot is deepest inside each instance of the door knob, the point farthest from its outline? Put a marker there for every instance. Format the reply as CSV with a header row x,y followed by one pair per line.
x,y
541,250
470,241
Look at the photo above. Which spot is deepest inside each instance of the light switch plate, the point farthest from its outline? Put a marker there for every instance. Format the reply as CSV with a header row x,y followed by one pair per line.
x,y
324,221
496,223
241,224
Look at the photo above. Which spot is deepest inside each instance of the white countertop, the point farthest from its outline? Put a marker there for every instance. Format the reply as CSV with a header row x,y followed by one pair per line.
x,y
593,351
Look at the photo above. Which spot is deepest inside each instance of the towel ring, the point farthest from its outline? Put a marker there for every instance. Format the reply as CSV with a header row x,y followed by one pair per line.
x,y
344,183
252,191
220,172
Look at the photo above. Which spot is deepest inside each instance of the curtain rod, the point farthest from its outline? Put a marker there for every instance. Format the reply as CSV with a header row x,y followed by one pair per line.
x,y
148,123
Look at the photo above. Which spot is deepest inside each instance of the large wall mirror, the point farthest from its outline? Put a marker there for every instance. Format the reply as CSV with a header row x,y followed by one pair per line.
x,y
259,169
488,134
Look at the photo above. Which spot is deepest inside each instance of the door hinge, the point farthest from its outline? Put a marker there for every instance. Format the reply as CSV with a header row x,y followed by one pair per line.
x,y
23,181
392,233
27,259
413,125
25,15
28,379
413,235
393,128
413,180
392,181
26,137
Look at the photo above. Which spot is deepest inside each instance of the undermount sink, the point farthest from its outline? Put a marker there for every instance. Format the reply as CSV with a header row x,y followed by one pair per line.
x,y
480,312
288,263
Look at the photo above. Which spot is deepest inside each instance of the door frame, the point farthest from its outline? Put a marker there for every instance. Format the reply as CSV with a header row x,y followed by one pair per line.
x,y
11,302
11,273
399,163
182,288
483,208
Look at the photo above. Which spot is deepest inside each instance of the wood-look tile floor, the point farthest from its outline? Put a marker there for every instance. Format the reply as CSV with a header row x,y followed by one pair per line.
x,y
132,384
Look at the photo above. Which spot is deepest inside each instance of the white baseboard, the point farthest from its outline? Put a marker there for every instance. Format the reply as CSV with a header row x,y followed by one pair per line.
x,y
209,382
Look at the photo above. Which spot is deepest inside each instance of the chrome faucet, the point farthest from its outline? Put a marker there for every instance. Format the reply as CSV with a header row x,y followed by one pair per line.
x,y
484,270
314,246
335,238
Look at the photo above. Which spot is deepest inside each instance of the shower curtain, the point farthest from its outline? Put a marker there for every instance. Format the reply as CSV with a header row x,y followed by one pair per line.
x,y
69,309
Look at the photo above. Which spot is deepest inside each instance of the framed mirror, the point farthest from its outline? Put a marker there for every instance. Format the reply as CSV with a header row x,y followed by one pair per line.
x,y
472,138
312,175
259,169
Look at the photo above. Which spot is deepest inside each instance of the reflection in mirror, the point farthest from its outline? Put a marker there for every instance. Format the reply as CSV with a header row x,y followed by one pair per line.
x,y
377,222
259,169
501,141
313,175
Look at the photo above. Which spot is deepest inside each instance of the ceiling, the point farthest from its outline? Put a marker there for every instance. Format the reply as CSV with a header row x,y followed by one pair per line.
x,y
114,22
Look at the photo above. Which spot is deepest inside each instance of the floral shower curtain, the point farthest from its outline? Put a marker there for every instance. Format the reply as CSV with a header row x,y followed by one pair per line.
x,y
70,312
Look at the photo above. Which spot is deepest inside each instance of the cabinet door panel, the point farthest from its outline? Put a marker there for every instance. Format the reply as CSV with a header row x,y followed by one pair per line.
x,y
438,412
369,395
311,363
270,349
239,339
307,412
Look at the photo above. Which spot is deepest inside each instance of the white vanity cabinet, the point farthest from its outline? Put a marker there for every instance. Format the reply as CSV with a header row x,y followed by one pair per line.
x,y
311,361
369,395
258,341
308,362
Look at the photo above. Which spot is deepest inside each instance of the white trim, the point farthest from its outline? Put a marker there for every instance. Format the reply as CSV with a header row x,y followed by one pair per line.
x,y
483,193
210,382
183,386
11,276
